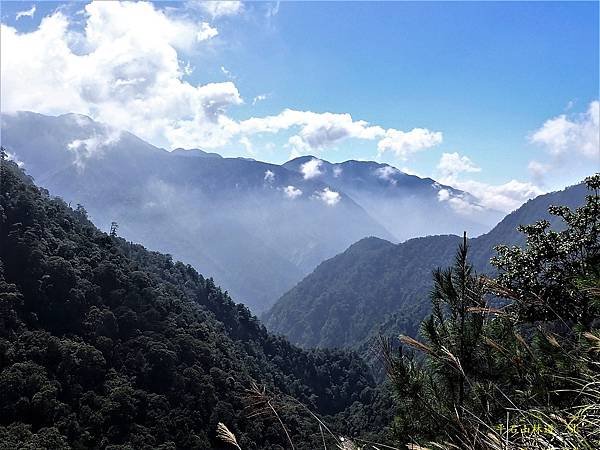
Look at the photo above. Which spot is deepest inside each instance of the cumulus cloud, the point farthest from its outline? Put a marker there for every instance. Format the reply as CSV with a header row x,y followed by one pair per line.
x,y
128,66
575,135
27,13
247,145
460,203
218,8
122,69
317,131
502,197
571,142
329,197
405,143
452,164
269,176
292,192
337,171
311,169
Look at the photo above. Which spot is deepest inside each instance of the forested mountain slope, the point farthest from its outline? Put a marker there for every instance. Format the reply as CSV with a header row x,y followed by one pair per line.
x,y
104,344
378,286
257,228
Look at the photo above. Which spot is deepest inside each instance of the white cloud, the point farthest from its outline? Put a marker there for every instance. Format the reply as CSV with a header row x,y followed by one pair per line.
x,y
387,173
27,13
92,146
572,143
443,195
227,73
575,135
329,197
538,169
292,192
452,164
129,67
247,145
316,130
463,206
218,8
503,197
403,144
298,146
460,203
207,32
123,69
337,172
311,169
13,157
259,98
269,176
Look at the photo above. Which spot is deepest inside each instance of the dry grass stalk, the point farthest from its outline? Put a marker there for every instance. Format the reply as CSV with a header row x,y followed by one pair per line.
x,y
264,404
227,436
415,344
594,340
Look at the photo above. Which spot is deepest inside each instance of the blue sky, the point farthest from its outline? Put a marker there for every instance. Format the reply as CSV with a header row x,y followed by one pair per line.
x,y
487,76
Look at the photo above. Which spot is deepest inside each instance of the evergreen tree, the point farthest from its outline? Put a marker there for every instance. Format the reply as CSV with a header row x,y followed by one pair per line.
x,y
451,377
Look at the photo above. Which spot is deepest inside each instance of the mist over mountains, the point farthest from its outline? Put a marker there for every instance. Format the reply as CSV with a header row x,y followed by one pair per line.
x,y
376,286
257,228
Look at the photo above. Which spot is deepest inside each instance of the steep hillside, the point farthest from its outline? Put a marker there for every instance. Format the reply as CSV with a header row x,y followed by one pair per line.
x,y
105,344
375,285
258,228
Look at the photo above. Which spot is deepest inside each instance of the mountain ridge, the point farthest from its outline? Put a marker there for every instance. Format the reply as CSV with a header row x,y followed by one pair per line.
x,y
105,343
257,227
375,285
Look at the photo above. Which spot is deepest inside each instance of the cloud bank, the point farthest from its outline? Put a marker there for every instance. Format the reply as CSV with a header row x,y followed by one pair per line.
x,y
568,140
127,67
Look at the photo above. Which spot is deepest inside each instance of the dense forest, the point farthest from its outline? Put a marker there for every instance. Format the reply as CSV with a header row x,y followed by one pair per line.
x,y
104,344
378,287
513,361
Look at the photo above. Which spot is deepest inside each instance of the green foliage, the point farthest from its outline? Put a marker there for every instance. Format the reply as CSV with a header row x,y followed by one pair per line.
x,y
104,344
535,354
377,287
456,371
542,277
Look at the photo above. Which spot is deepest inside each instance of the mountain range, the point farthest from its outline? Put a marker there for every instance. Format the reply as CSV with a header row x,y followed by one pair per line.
x,y
377,286
257,228
105,344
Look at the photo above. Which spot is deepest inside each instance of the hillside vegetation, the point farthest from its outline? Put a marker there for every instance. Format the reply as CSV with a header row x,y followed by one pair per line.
x,y
520,373
375,286
104,344
257,228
